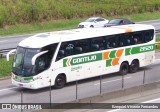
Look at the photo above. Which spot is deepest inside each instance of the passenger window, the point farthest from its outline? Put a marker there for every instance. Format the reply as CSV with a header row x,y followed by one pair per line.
x,y
111,42
121,42
82,46
136,38
66,49
69,49
148,35
127,40
78,50
61,54
98,43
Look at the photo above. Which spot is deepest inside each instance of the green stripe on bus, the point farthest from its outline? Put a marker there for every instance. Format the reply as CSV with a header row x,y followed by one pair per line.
x,y
98,56
65,62
112,54
139,49
127,51
23,78
108,62
86,59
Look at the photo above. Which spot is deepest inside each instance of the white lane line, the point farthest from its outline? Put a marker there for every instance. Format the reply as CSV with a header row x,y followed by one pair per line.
x,y
3,41
7,89
149,101
112,80
157,60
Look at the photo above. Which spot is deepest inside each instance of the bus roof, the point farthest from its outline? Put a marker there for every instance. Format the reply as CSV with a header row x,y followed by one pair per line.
x,y
43,39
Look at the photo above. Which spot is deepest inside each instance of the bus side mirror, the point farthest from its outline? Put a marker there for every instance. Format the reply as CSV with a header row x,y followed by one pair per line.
x,y
36,56
10,52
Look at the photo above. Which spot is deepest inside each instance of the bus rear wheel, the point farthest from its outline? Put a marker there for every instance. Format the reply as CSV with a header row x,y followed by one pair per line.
x,y
134,66
91,26
60,82
124,68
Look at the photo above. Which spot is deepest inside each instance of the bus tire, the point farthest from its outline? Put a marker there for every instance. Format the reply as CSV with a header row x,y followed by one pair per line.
x,y
124,68
91,26
134,66
60,81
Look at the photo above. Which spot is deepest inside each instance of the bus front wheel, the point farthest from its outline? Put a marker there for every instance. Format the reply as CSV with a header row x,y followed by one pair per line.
x,y
60,81
124,68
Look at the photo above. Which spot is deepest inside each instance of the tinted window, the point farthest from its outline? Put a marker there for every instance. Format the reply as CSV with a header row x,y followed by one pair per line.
x,y
148,35
98,44
127,21
102,43
82,46
99,19
111,41
66,49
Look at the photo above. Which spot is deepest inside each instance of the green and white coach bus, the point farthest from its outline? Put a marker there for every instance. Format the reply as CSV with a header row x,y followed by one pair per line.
x,y
63,56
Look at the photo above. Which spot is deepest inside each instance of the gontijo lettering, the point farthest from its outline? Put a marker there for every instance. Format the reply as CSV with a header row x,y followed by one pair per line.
x,y
84,59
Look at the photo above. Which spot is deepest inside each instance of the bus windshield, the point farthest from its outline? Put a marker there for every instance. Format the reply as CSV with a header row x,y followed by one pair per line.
x,y
22,64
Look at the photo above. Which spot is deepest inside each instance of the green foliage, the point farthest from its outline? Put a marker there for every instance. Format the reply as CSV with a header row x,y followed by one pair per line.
x,y
5,67
62,24
27,11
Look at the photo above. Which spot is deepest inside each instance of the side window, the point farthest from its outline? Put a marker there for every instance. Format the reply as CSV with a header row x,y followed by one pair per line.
x,y
127,40
43,62
66,49
111,42
98,44
136,38
121,40
99,20
82,46
148,35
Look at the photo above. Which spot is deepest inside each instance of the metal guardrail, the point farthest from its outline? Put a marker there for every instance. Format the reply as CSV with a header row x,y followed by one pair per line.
x,y
3,52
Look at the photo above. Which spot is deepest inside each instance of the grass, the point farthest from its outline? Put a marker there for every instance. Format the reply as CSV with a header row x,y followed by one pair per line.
x,y
28,11
158,38
66,24
5,67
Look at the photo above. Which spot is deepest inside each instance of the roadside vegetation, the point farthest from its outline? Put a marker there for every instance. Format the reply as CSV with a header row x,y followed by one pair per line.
x,y
63,24
27,11
29,16
5,67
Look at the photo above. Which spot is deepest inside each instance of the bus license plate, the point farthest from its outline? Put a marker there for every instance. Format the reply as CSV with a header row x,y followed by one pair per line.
x,y
20,85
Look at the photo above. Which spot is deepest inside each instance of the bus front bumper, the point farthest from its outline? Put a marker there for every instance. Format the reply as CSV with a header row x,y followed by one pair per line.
x,y
29,85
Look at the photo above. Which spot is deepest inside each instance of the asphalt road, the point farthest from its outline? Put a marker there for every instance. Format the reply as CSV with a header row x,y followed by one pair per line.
x,y
12,41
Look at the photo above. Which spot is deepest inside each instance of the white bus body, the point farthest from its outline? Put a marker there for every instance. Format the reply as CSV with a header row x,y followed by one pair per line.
x,y
59,57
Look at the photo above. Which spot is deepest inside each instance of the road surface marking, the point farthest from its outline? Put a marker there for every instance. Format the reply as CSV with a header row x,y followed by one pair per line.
x,y
7,89
157,60
149,101
112,80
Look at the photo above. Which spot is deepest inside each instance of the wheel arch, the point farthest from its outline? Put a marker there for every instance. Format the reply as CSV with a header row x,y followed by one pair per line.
x,y
63,74
135,60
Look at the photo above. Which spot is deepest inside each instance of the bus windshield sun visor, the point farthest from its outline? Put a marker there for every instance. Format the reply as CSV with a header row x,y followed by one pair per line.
x,y
37,55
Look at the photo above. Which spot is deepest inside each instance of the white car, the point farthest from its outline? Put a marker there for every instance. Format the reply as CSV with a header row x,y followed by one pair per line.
x,y
93,22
